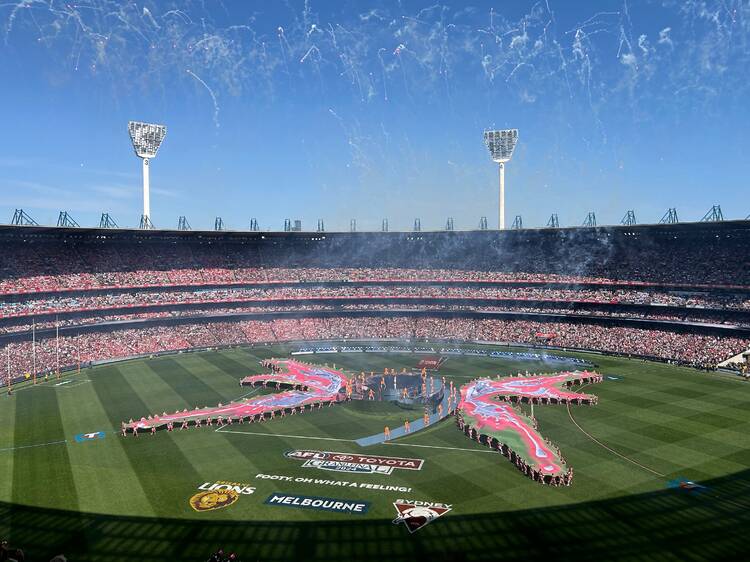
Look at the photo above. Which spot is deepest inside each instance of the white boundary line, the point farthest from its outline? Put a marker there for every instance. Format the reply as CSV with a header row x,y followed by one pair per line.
x,y
72,384
438,447
595,440
247,393
53,384
30,446
222,430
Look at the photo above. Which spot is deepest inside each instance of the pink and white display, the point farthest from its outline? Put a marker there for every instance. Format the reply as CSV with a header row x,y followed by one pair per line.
x,y
308,386
486,413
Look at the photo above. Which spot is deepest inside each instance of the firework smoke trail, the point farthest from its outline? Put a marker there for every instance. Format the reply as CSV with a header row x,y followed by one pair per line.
x,y
382,69
284,48
213,96
309,52
701,49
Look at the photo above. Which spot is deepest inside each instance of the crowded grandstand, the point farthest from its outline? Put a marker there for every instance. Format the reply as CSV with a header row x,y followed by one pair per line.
x,y
72,298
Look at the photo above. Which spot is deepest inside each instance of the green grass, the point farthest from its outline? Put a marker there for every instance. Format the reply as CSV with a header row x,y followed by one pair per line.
x,y
127,499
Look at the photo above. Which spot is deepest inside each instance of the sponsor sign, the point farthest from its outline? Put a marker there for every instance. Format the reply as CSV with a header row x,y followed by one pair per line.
x,y
545,336
219,494
416,514
83,437
354,507
431,363
339,483
353,463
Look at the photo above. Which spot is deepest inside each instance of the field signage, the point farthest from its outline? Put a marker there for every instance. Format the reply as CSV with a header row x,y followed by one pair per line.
x,y
353,463
356,507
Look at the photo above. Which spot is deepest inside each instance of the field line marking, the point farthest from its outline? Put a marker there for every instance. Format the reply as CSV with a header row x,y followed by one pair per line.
x,y
257,388
51,383
222,430
439,447
72,384
595,440
30,446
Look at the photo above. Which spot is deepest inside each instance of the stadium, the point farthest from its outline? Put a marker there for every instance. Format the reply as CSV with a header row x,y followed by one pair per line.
x,y
420,364
104,327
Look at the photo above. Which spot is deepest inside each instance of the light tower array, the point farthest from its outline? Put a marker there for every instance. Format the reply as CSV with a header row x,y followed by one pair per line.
x,y
501,144
147,139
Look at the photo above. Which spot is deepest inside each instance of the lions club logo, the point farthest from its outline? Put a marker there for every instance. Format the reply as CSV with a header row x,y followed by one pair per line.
x,y
219,494
416,514
213,499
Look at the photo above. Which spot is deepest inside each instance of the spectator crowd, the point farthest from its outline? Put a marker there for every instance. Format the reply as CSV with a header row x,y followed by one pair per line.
x,y
57,280
48,354
115,298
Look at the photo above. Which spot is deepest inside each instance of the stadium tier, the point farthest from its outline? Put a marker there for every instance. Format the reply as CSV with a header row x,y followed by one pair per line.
x,y
96,295
40,259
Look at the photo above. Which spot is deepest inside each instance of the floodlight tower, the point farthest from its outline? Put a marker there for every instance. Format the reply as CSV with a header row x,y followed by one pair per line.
x,y
501,144
147,139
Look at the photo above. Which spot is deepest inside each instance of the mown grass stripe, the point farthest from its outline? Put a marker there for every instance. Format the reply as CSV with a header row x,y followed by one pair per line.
x,y
227,362
99,463
187,385
7,441
42,476
151,461
193,390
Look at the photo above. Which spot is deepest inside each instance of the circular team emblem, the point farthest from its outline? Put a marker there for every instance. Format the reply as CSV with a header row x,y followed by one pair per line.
x,y
213,499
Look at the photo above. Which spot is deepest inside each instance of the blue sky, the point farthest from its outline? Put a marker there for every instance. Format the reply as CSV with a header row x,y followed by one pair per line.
x,y
365,110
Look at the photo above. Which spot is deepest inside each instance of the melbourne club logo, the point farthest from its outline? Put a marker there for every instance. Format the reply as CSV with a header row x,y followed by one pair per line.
x,y
416,514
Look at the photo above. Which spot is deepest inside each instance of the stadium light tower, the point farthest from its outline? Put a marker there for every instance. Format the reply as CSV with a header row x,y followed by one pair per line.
x,y
501,144
147,139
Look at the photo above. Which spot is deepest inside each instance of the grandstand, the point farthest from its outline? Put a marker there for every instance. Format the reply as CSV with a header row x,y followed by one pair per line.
x,y
95,325
94,290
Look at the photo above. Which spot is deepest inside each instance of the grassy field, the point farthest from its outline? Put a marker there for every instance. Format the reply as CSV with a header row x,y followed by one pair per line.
x,y
127,499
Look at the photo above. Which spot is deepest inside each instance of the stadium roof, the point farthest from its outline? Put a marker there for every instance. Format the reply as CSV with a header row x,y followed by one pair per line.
x,y
702,229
